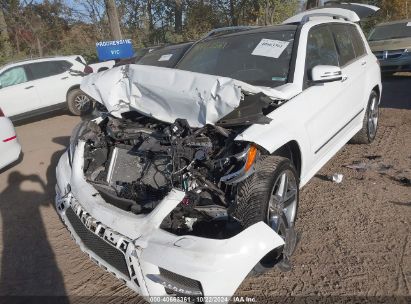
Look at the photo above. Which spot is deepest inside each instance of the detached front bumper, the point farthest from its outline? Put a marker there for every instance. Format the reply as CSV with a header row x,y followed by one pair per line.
x,y
147,259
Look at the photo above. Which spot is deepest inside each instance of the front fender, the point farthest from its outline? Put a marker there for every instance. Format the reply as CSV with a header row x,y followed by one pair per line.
x,y
276,134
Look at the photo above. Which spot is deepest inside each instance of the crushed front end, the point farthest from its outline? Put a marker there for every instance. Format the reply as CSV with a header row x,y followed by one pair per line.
x,y
154,203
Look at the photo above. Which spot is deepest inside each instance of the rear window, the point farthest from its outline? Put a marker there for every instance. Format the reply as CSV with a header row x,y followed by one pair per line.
x,y
13,76
48,68
357,41
345,46
391,31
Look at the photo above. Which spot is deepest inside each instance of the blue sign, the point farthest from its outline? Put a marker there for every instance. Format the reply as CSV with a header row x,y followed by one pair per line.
x,y
119,49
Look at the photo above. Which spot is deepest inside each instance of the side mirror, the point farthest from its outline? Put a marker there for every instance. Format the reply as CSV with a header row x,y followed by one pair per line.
x,y
326,73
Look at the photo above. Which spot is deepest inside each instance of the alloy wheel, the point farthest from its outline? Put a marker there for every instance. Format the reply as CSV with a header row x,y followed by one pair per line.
x,y
283,202
373,115
82,103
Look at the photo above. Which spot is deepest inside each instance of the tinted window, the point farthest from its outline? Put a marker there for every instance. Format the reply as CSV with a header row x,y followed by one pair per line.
x,y
48,68
13,76
261,58
165,57
321,48
344,44
357,41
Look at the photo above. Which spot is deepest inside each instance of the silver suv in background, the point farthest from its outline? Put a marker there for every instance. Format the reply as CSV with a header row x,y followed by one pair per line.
x,y
391,44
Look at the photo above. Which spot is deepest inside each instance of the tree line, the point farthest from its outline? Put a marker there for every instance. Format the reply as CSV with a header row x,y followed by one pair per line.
x,y
31,28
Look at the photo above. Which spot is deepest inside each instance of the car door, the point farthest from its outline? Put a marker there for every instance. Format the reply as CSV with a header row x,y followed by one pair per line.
x,y
18,94
52,80
326,101
353,63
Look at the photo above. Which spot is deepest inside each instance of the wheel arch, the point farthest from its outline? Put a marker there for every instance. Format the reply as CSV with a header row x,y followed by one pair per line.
x,y
377,90
76,86
292,151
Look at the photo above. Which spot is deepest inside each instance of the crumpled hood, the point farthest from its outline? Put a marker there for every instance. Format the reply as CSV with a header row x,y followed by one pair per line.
x,y
167,94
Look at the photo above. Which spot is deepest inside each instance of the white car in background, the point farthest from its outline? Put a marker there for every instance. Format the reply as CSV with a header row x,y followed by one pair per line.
x,y
191,181
10,148
37,86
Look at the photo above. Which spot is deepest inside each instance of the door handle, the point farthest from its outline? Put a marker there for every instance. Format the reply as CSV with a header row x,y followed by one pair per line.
x,y
364,63
28,88
344,78
64,78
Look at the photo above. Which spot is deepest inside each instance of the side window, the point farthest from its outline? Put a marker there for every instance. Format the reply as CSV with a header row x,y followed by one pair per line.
x,y
344,43
320,48
13,76
62,66
48,68
357,41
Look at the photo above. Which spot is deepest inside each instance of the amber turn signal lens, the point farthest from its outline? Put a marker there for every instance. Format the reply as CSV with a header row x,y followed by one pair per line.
x,y
252,153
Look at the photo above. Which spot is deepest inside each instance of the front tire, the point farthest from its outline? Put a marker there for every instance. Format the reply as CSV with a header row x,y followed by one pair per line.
x,y
370,123
79,103
270,195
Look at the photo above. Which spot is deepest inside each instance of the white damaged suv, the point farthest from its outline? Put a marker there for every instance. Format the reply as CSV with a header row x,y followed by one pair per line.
x,y
191,180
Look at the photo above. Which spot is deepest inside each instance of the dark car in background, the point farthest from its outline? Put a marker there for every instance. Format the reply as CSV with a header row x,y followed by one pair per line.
x,y
139,53
163,56
391,44
166,57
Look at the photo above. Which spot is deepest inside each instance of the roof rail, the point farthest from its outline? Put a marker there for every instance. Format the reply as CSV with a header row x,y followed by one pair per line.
x,y
306,18
229,29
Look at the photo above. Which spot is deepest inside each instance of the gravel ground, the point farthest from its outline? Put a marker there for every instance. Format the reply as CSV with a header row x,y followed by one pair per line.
x,y
355,244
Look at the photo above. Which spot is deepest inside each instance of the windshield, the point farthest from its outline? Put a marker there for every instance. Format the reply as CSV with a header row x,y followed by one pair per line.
x,y
392,31
261,59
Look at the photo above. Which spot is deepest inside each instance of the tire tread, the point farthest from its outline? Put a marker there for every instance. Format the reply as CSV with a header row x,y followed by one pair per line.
x,y
255,190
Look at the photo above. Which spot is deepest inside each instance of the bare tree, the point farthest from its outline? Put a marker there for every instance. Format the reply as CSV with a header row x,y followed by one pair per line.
x,y
4,35
178,16
113,19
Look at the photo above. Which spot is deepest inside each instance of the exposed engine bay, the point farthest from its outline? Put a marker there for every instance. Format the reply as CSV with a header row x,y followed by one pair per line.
x,y
135,161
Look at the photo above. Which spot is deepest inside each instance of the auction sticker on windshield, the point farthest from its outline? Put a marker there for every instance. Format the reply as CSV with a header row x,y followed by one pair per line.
x,y
165,57
270,48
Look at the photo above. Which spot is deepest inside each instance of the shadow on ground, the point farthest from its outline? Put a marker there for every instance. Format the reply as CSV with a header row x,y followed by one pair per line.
x,y
27,253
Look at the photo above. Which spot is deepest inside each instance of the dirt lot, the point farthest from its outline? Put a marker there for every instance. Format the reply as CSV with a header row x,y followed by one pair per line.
x,y
355,235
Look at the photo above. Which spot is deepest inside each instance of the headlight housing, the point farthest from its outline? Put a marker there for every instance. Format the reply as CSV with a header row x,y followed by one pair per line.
x,y
248,156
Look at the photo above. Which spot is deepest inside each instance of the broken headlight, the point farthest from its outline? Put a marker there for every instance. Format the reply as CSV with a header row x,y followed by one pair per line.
x,y
248,156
